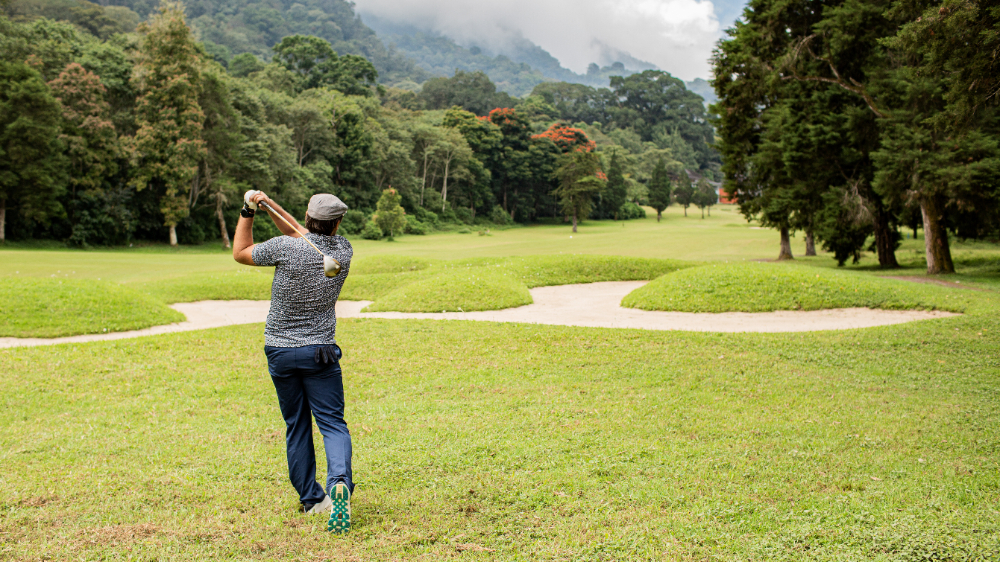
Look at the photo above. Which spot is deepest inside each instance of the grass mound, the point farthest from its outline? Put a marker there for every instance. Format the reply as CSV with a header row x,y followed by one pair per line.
x,y
486,283
758,287
456,290
49,308
241,284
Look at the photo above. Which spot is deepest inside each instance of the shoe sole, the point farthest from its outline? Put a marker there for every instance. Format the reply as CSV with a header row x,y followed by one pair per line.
x,y
340,514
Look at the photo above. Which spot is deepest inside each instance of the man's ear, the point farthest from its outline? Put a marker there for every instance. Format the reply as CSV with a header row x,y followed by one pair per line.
x,y
336,226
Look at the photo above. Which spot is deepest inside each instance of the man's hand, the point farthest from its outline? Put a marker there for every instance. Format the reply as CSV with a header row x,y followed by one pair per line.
x,y
251,197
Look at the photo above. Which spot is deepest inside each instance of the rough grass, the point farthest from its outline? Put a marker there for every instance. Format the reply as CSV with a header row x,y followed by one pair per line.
x,y
478,441
764,287
48,308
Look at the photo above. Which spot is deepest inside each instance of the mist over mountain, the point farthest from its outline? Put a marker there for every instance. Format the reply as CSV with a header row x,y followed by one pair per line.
x,y
516,66
672,35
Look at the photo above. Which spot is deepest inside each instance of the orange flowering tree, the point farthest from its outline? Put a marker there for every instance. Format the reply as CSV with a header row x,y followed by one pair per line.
x,y
567,139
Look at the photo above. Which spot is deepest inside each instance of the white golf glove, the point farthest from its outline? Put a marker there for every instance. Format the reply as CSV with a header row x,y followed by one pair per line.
x,y
247,199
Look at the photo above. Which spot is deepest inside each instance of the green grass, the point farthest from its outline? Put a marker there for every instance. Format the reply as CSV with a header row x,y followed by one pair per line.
x,y
764,287
48,308
487,283
455,290
518,442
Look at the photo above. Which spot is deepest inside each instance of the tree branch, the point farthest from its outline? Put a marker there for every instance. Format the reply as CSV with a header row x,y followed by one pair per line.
x,y
852,85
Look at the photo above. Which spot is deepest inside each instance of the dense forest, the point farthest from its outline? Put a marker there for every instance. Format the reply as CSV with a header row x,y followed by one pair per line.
x,y
850,121
109,135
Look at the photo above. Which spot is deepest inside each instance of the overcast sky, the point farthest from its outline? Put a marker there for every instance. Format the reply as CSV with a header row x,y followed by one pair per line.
x,y
675,35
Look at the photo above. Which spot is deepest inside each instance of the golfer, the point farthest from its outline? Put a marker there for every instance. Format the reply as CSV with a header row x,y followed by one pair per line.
x,y
302,353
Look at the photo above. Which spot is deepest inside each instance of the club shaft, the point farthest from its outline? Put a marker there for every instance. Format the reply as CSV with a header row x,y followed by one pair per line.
x,y
280,216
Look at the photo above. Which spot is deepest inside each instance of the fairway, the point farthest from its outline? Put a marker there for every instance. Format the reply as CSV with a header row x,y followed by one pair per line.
x,y
478,440
556,443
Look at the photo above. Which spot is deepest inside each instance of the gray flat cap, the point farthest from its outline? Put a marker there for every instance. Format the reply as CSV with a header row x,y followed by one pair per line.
x,y
324,207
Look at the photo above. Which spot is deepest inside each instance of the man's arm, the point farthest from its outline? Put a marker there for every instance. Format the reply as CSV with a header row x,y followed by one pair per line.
x,y
243,241
298,231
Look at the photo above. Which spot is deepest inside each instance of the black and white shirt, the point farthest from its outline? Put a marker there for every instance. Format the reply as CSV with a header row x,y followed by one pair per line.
x,y
302,297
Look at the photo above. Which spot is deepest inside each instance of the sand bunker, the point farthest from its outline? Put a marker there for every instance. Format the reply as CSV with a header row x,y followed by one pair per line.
x,y
592,305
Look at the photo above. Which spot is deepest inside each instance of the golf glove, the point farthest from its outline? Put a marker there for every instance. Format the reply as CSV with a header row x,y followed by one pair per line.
x,y
252,205
327,354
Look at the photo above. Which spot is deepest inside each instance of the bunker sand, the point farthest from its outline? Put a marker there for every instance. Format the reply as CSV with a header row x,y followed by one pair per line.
x,y
593,305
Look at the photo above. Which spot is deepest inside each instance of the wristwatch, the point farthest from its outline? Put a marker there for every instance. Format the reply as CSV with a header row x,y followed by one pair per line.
x,y
247,212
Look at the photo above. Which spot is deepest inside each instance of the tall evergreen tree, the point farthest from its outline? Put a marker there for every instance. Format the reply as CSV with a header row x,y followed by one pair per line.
x,y
659,189
615,192
684,192
578,183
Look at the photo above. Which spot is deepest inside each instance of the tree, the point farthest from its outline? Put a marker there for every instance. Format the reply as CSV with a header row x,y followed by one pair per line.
x,y
684,192
317,64
472,91
616,190
88,133
452,148
580,178
705,196
389,214
659,189
425,142
31,171
168,147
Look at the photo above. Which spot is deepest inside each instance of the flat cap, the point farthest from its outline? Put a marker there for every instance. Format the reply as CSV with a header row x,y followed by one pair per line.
x,y
324,207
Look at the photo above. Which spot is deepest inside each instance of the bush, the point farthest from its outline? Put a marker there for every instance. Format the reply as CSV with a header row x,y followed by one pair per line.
x,y
371,231
463,215
499,216
631,211
414,226
353,222
427,217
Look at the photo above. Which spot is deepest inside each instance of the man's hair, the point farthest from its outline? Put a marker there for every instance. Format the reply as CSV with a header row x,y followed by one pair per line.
x,y
326,228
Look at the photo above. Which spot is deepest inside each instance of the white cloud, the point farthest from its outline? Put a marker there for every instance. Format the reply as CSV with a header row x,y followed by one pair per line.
x,y
675,35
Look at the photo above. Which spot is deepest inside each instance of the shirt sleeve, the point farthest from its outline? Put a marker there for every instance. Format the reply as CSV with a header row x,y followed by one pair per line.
x,y
268,253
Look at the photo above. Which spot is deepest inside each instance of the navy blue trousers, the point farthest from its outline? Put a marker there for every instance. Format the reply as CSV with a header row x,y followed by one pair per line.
x,y
306,387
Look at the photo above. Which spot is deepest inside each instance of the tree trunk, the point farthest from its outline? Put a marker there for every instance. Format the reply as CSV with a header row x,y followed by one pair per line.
x,y
3,220
423,183
222,224
810,244
444,190
786,246
658,216
173,235
685,210
574,221
935,238
709,211
703,212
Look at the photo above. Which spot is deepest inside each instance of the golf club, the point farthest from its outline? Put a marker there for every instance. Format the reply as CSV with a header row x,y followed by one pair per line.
x,y
331,267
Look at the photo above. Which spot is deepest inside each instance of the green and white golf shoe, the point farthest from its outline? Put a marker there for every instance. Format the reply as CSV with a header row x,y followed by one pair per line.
x,y
340,514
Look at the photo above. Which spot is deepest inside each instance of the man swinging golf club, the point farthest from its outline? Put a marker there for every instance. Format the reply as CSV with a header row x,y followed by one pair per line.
x,y
310,266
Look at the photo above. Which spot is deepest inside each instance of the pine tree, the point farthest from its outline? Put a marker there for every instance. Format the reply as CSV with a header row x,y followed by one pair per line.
x,y
615,192
579,181
659,189
168,145
684,192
